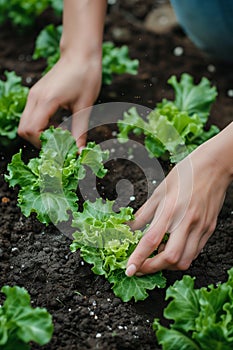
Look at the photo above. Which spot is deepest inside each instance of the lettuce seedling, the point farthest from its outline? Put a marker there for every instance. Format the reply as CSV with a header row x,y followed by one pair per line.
x,y
174,128
106,242
48,183
20,323
202,319
115,60
13,98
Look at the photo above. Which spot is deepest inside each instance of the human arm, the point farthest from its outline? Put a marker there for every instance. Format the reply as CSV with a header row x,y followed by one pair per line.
x,y
75,80
186,204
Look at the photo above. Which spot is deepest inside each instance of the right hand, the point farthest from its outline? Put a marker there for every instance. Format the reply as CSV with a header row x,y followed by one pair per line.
x,y
73,83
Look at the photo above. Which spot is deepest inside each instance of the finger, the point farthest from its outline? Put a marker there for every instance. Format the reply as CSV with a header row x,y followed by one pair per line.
x,y
169,258
144,215
34,120
80,123
147,245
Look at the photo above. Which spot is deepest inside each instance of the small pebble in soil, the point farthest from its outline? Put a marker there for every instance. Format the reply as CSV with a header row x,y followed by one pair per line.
x,y
98,335
132,198
178,51
211,68
14,250
82,263
98,293
114,133
230,93
28,80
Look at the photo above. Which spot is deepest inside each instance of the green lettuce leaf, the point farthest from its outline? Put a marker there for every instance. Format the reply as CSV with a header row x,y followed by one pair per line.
x,y
20,323
106,242
194,99
115,60
48,183
13,98
201,318
135,287
174,128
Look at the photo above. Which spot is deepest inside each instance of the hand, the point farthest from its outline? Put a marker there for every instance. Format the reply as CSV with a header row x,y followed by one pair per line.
x,y
73,83
186,205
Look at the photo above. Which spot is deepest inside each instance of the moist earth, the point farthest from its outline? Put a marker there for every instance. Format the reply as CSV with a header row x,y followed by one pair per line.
x,y
85,312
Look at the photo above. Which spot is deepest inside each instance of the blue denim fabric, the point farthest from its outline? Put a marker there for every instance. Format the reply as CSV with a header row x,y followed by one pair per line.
x,y
209,24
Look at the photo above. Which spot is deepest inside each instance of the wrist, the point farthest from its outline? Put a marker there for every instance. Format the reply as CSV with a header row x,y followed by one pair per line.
x,y
219,151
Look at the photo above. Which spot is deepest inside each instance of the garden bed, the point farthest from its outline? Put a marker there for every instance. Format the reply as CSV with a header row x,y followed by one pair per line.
x,y
85,311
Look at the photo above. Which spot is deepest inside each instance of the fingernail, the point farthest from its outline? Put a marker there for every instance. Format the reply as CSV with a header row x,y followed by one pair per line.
x,y
130,271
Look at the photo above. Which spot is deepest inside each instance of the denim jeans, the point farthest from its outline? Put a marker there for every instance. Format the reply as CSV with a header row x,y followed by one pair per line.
x,y
209,24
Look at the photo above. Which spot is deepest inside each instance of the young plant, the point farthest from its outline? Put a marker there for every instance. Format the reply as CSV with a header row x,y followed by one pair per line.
x,y
106,242
13,98
115,60
20,323
174,128
201,318
48,183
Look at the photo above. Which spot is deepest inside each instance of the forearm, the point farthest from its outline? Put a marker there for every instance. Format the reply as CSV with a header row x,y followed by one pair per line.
x,y
83,24
220,150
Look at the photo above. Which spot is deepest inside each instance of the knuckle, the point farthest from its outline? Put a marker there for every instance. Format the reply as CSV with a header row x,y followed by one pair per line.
x,y
171,257
149,240
211,227
25,132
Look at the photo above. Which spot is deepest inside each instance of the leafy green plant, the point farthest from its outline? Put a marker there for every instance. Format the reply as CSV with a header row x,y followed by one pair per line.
x,y
48,186
48,183
202,319
22,12
115,60
20,323
13,98
174,128
106,242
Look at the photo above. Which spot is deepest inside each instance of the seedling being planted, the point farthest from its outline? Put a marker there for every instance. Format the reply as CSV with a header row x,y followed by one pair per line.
x,y
106,242
21,324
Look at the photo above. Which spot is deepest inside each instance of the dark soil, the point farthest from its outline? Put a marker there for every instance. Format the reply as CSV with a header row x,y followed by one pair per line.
x,y
86,313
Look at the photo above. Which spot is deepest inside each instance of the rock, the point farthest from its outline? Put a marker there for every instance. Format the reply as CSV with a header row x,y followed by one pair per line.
x,y
161,20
